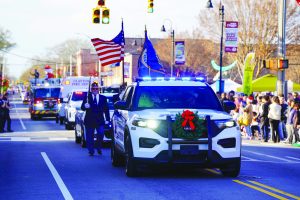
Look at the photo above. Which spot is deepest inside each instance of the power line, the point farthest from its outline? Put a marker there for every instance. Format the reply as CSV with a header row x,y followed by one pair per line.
x,y
38,60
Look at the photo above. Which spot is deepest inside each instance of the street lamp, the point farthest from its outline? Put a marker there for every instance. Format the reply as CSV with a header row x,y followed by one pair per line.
x,y
163,29
221,14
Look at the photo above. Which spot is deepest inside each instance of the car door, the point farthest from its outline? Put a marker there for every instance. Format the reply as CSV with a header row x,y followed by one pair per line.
x,y
120,119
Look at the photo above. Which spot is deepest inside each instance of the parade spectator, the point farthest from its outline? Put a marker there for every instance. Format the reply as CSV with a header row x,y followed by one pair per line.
x,y
297,122
296,97
231,95
248,114
243,102
223,98
235,114
284,109
2,113
96,107
255,130
6,113
274,118
291,121
257,104
263,117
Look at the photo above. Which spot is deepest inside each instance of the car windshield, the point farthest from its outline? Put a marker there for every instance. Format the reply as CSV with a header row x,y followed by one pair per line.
x,y
78,96
163,97
110,103
47,92
110,90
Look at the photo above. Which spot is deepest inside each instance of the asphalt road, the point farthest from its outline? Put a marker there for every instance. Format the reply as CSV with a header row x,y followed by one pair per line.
x,y
42,161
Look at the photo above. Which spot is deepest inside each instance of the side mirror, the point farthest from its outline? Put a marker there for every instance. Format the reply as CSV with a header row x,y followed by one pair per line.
x,y
120,105
228,106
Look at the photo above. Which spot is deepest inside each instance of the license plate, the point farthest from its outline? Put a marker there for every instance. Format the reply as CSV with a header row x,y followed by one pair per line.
x,y
189,149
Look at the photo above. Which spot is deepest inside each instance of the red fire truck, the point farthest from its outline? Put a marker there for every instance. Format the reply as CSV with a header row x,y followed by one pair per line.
x,y
44,98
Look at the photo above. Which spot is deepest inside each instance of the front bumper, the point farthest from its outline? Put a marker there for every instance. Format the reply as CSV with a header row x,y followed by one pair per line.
x,y
44,113
216,149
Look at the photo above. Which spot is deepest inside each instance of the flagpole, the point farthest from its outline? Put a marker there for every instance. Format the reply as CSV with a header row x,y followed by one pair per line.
x,y
149,70
123,67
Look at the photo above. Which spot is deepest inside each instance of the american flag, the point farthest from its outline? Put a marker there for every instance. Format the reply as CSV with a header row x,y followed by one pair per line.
x,y
112,51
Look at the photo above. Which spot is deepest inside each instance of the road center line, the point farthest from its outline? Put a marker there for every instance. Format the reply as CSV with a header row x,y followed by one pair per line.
x,y
22,124
261,154
57,178
260,189
275,190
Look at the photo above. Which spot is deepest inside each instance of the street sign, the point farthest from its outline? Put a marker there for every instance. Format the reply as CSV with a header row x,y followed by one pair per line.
x,y
231,39
179,53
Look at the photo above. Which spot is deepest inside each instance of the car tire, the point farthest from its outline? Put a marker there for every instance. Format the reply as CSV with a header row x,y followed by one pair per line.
x,y
68,126
116,159
130,163
77,138
82,142
32,116
232,170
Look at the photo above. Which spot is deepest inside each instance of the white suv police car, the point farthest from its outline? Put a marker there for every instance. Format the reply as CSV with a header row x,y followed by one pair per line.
x,y
148,118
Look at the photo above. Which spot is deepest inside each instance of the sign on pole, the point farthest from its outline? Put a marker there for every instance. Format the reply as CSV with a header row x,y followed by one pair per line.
x,y
179,53
231,40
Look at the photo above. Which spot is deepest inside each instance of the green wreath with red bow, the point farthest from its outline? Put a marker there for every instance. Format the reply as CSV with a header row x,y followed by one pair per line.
x,y
188,125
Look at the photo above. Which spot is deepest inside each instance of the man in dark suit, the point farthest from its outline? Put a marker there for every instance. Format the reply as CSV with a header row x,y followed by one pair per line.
x,y
96,107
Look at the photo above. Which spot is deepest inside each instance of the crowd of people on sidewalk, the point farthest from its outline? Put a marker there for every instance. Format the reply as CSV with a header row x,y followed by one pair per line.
x,y
267,117
4,114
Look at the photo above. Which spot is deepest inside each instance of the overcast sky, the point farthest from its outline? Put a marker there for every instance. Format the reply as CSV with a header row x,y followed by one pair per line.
x,y
37,25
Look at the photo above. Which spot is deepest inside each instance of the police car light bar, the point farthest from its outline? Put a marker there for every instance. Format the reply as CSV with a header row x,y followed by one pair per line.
x,y
148,78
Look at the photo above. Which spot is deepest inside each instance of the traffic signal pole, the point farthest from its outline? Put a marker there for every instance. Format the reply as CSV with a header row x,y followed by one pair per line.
x,y
281,83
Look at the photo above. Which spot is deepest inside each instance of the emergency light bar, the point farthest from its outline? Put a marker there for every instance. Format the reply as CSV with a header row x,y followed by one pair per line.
x,y
148,78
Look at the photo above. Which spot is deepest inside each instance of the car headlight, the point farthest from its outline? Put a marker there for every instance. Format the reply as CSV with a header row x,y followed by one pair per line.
x,y
226,123
40,105
149,123
72,109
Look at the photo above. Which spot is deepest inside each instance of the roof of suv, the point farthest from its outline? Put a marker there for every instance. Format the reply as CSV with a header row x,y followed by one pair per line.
x,y
174,82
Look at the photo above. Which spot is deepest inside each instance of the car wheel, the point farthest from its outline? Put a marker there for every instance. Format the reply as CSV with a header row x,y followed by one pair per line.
x,y
130,164
116,158
232,170
82,142
68,126
77,138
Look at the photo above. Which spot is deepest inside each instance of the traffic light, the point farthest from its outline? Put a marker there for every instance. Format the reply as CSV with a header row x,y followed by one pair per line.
x,y
150,6
283,64
96,15
101,3
105,16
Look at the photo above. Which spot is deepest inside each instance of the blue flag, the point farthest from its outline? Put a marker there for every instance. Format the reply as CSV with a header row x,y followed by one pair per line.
x,y
149,63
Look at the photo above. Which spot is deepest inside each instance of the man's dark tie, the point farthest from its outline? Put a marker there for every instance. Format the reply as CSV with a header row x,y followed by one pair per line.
x,y
95,100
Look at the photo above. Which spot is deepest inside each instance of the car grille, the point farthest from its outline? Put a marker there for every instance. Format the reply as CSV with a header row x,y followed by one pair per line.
x,y
162,129
50,104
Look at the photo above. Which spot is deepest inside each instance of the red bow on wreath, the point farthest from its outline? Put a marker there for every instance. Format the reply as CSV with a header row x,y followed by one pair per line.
x,y
188,117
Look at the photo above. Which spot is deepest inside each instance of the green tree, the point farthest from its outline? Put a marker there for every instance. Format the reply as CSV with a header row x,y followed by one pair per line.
x,y
5,44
